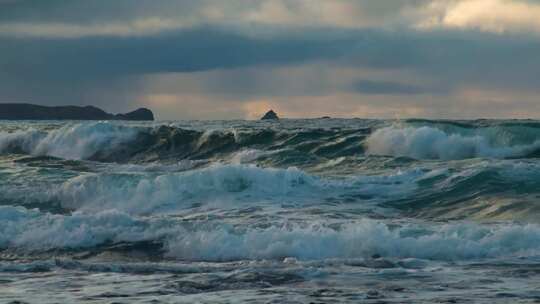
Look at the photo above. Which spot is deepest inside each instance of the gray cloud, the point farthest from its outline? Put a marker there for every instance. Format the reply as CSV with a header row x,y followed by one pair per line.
x,y
387,88
76,18
448,54
251,59
181,51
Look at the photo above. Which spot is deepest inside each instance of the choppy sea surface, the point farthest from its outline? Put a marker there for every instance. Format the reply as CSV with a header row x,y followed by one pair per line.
x,y
295,211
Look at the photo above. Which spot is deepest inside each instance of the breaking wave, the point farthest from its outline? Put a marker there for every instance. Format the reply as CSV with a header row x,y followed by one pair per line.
x,y
223,185
31,231
273,192
361,239
79,141
432,143
112,142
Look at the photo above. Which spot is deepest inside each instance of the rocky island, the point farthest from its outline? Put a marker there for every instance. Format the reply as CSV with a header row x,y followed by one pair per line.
x,y
270,115
24,111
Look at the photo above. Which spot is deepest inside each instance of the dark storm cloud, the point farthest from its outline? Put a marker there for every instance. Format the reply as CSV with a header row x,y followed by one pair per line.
x,y
387,88
65,70
452,58
93,57
449,55
95,11
104,11
182,51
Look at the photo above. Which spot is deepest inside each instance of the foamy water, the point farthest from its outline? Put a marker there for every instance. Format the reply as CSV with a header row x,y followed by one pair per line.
x,y
298,210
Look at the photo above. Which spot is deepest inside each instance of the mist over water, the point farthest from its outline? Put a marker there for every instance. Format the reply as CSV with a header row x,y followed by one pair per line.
x,y
321,210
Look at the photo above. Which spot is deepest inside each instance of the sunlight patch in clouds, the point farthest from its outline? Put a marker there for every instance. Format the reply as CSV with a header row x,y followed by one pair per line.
x,y
498,16
309,13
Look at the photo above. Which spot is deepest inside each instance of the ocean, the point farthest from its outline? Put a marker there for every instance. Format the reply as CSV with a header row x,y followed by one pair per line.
x,y
293,211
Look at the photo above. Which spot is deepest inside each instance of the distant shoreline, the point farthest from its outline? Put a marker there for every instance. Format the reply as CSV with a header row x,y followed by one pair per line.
x,y
25,111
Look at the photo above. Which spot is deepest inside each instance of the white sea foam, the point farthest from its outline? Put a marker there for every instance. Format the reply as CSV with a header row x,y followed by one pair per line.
x,y
74,141
182,165
222,184
139,193
247,156
214,241
24,140
359,239
433,143
32,230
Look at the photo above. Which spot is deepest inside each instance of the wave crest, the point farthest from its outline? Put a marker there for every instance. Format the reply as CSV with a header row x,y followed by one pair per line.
x,y
222,184
29,230
433,143
77,141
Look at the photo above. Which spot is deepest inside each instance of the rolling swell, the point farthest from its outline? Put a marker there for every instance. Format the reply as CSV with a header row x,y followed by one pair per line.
x,y
486,190
454,142
302,146
27,231
228,187
417,139
236,206
79,141
483,166
109,142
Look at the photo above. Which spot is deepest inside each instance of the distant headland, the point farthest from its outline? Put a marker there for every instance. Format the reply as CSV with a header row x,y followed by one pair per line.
x,y
24,111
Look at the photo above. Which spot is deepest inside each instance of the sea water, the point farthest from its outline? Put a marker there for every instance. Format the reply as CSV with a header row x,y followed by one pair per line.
x,y
293,211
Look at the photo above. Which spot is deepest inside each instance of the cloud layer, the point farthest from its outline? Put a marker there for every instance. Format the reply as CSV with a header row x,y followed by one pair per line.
x,y
233,59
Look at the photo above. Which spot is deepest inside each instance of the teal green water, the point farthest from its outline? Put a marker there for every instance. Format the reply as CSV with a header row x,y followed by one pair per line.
x,y
323,210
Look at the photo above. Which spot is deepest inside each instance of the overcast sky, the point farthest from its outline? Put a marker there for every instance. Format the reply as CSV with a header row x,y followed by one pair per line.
x,y
202,59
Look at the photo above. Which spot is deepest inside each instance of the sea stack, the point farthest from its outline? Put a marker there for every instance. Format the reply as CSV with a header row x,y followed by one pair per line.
x,y
270,115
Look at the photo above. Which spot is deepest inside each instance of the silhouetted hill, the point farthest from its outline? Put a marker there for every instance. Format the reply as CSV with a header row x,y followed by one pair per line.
x,y
23,111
